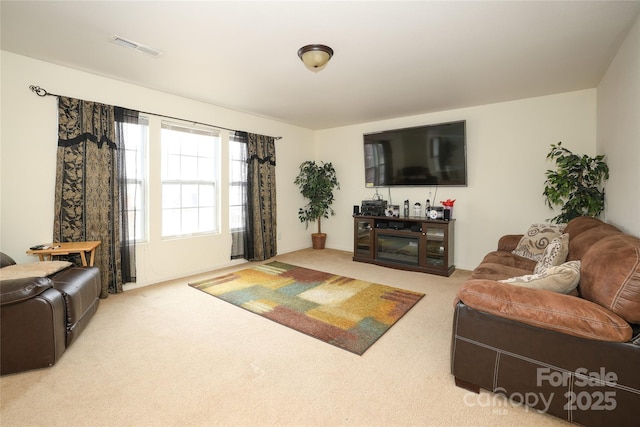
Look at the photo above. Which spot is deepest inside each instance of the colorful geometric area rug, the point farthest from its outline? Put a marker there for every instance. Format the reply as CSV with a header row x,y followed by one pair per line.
x,y
348,313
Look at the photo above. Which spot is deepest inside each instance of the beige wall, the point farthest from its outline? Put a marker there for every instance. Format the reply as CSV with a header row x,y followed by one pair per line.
x,y
618,134
507,144
28,157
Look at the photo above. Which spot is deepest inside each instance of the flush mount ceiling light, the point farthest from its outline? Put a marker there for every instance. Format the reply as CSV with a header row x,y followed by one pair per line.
x,y
315,56
121,41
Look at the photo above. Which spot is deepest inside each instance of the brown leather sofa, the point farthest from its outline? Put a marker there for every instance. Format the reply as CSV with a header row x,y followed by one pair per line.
x,y
575,356
42,316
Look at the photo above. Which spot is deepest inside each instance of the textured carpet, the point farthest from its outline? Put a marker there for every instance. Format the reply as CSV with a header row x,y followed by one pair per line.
x,y
348,313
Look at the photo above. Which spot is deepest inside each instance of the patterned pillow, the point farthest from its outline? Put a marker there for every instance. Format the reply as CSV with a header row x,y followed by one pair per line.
x,y
536,239
560,278
554,254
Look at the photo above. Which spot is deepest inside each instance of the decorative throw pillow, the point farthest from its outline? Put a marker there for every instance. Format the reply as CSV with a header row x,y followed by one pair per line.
x,y
554,254
560,278
533,243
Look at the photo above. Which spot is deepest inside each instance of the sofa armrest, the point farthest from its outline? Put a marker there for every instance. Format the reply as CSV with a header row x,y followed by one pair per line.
x,y
6,260
80,288
545,309
509,242
16,290
32,332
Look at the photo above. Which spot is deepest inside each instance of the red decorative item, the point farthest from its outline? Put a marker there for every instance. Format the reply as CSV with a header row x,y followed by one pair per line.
x,y
448,203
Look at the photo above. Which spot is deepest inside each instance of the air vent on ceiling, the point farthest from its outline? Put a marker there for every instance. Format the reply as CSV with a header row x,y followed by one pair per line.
x,y
136,46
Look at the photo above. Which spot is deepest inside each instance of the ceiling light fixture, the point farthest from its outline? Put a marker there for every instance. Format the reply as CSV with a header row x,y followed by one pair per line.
x,y
315,56
120,41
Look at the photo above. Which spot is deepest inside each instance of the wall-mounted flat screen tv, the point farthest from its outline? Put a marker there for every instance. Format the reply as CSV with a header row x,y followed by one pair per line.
x,y
424,156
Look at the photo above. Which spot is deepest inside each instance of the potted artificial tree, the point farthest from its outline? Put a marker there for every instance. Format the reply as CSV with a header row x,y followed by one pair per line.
x,y
576,184
317,182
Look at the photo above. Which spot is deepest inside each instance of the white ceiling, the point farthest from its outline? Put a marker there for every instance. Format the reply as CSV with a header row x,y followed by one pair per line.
x,y
392,58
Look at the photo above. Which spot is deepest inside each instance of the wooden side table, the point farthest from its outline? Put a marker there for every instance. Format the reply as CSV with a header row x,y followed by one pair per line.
x,y
66,248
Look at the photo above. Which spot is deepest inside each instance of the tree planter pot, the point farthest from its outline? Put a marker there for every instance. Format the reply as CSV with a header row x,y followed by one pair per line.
x,y
318,240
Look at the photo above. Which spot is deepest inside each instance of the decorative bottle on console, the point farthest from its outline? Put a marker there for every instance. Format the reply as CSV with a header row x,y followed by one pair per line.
x,y
427,208
406,208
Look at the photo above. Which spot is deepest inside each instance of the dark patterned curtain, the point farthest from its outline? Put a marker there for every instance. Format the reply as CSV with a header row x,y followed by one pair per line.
x,y
260,215
90,195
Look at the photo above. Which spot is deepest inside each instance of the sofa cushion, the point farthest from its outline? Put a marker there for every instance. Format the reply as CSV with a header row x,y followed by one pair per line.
x,y
511,260
536,239
560,278
545,309
581,224
554,254
33,269
497,271
509,242
611,275
580,244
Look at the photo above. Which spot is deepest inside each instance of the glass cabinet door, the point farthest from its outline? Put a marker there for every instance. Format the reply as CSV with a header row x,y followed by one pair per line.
x,y
436,245
364,238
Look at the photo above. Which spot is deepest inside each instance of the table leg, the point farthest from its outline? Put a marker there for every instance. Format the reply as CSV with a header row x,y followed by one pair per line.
x,y
84,258
93,256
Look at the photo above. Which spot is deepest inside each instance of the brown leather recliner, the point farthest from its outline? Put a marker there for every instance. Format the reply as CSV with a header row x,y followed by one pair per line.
x,y
41,316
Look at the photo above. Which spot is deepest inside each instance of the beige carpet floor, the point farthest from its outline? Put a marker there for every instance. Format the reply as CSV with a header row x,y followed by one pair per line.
x,y
170,355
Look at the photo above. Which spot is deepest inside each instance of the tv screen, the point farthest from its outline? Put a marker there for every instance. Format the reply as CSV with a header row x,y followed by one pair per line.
x,y
425,155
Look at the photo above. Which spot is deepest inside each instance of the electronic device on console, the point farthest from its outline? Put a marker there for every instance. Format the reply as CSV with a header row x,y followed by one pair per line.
x,y
437,212
393,210
374,207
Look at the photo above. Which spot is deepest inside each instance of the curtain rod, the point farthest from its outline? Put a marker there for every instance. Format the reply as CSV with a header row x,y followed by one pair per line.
x,y
42,93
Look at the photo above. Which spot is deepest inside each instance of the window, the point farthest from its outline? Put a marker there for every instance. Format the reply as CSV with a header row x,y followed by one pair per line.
x,y
374,154
237,182
189,179
135,141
